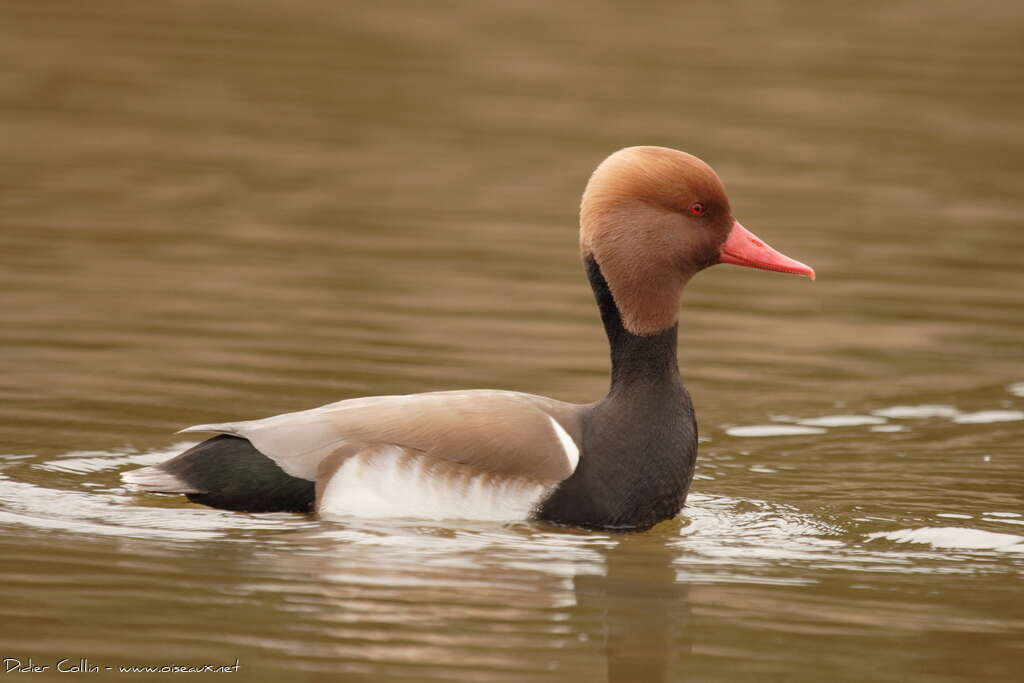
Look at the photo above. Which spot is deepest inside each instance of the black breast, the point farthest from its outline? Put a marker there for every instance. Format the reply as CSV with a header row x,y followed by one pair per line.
x,y
639,443
635,467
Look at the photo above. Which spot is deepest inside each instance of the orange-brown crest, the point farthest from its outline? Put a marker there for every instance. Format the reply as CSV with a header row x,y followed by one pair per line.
x,y
637,221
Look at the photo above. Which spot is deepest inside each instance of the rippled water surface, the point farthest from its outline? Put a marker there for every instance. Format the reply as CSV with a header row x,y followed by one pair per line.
x,y
213,210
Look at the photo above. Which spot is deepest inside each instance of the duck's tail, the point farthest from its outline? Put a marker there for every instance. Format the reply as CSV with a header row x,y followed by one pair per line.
x,y
227,472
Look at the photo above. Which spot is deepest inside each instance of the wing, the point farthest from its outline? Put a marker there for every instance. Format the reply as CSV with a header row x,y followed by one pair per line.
x,y
502,433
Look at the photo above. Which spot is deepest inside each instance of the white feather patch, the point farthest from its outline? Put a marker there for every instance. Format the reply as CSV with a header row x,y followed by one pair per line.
x,y
572,451
389,482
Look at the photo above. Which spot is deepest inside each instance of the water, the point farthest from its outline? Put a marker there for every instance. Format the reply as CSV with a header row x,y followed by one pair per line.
x,y
213,211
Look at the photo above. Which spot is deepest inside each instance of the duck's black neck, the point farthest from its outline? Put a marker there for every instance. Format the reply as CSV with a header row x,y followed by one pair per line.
x,y
636,359
639,442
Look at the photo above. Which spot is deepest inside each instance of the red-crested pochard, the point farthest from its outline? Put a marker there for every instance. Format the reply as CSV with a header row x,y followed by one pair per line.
x,y
650,219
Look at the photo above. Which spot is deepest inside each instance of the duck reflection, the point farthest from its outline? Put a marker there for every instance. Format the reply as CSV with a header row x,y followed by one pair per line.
x,y
517,603
646,611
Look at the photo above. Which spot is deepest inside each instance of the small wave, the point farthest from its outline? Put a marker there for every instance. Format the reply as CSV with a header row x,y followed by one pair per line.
x,y
87,462
920,412
954,537
842,421
773,430
987,416
887,428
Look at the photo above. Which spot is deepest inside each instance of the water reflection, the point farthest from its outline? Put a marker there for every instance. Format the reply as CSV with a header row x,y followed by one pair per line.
x,y
645,628
605,608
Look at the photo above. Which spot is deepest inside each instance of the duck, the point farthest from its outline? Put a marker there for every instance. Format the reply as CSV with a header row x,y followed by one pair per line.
x,y
650,219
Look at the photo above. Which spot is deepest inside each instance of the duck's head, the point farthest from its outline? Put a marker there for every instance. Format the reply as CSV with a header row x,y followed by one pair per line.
x,y
651,217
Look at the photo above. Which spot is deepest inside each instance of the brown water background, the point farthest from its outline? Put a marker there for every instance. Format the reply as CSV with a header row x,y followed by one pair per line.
x,y
215,210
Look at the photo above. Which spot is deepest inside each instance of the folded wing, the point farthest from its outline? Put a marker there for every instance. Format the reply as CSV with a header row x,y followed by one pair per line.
x,y
397,451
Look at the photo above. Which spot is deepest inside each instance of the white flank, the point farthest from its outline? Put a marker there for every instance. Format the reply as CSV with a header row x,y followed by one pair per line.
x,y
572,451
388,482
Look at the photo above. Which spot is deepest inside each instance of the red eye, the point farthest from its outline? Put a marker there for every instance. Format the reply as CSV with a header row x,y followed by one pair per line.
x,y
697,209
